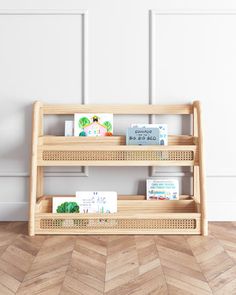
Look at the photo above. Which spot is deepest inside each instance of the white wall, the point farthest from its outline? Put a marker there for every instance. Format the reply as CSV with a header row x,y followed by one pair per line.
x,y
132,56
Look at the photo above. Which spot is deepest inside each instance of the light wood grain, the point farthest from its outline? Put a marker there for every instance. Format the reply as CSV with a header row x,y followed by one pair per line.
x,y
135,109
36,126
186,216
85,147
108,140
117,264
202,177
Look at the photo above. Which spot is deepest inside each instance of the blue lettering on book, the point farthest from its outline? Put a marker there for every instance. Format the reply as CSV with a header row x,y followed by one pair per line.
x,y
142,136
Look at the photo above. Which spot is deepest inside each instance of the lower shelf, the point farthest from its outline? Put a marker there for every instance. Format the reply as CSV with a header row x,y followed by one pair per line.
x,y
134,216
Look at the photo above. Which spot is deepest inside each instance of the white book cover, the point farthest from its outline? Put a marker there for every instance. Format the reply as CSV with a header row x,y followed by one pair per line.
x,y
162,189
163,131
91,124
69,128
97,201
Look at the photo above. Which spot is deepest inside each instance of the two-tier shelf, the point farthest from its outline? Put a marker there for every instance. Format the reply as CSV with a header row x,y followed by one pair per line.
x,y
135,215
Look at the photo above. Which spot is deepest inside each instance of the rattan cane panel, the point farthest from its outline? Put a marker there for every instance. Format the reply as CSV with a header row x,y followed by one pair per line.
x,y
118,155
135,224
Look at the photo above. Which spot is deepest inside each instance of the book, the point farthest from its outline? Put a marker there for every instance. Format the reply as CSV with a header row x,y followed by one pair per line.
x,y
65,205
93,124
142,136
163,131
162,189
86,202
97,201
69,128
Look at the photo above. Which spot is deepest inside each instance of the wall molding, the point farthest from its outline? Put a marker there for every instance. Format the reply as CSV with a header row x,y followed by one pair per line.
x,y
74,174
84,13
81,173
152,37
152,61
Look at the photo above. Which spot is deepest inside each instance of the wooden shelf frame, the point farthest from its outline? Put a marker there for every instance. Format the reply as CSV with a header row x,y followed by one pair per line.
x,y
135,214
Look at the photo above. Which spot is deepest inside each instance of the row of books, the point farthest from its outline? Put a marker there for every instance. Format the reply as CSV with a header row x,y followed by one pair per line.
x,y
106,201
89,124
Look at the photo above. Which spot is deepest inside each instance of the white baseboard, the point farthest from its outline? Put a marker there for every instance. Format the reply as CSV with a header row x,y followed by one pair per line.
x,y
221,211
218,211
13,211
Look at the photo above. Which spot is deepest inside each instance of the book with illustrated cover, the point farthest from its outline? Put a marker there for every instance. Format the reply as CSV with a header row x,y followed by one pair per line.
x,y
162,128
86,202
65,205
93,124
97,201
162,189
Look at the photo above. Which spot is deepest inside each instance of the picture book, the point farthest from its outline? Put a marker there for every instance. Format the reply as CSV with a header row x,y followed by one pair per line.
x,y
97,201
65,205
142,136
69,128
93,124
163,131
162,189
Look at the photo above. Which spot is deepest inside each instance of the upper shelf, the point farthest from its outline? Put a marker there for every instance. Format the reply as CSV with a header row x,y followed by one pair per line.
x,y
108,140
133,109
112,151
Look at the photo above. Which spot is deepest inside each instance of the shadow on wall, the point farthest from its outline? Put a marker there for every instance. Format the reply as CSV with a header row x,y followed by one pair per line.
x,y
186,125
141,187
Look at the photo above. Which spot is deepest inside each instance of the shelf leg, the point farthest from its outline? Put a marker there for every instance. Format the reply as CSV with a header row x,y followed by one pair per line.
x,y
202,185
196,185
36,118
33,192
40,181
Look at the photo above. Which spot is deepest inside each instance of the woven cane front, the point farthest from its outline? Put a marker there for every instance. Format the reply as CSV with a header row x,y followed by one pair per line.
x,y
116,224
117,155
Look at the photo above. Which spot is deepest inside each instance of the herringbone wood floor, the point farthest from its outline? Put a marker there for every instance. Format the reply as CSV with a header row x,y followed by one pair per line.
x,y
95,265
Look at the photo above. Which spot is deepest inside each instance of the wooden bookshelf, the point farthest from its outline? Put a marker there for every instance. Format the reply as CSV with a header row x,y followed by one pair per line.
x,y
135,214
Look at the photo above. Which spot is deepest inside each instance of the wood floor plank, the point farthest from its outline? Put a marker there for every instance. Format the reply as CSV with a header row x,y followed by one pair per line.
x,y
86,270
177,291
177,243
9,282
8,233
148,257
79,286
6,239
223,282
4,290
43,283
147,252
17,259
229,288
53,257
118,274
117,265
149,282
12,271
225,234
140,272
185,286
180,267
184,269
178,257
210,255
87,278
191,281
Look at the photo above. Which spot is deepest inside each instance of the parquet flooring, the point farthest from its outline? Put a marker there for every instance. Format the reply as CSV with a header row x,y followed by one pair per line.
x,y
117,265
